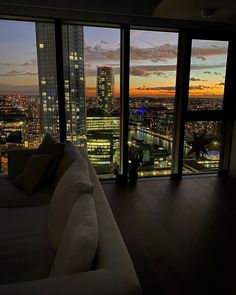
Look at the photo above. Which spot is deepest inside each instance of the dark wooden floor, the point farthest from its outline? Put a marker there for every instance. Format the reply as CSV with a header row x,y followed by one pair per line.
x,y
181,235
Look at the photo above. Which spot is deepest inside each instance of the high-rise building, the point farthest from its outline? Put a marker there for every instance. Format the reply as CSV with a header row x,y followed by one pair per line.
x,y
47,72
73,51
103,126
73,59
105,83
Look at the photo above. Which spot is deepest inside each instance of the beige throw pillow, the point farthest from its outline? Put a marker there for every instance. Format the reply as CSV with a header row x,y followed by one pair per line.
x,y
35,168
71,186
56,150
71,152
80,239
50,146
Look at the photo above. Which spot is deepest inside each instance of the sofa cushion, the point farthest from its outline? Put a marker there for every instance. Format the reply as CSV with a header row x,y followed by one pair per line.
x,y
56,150
84,154
25,254
80,239
72,184
35,168
71,153
50,146
17,160
47,141
12,196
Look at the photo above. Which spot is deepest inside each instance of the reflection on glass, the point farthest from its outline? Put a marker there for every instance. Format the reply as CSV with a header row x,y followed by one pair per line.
x,y
207,75
153,60
202,146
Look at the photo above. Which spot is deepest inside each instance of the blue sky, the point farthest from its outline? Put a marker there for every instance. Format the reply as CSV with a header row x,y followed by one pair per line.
x,y
17,41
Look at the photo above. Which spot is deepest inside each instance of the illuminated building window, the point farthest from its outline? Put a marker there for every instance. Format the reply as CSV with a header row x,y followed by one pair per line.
x,y
41,45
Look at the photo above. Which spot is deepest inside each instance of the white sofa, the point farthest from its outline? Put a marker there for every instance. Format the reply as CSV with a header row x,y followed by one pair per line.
x,y
27,257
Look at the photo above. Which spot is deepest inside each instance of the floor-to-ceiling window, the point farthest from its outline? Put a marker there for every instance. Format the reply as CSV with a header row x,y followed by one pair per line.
x,y
92,93
202,135
153,60
92,59
19,94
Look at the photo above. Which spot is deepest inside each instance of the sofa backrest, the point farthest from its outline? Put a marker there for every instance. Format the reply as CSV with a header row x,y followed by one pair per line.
x,y
79,241
71,153
112,252
73,183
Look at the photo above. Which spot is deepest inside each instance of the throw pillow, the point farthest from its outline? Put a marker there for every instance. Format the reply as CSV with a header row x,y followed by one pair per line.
x,y
80,239
71,152
33,172
71,186
56,150
48,140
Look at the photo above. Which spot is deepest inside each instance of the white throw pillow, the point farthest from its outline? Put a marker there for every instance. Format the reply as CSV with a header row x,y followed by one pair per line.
x,y
71,186
80,239
71,153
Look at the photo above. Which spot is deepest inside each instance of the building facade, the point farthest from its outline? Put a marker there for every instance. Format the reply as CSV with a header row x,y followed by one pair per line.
x,y
105,84
73,59
103,126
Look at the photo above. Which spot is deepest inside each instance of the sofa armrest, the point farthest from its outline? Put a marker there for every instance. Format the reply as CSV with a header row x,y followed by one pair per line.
x,y
99,282
17,160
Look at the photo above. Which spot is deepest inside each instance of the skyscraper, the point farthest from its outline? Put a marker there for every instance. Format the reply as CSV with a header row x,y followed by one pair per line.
x,y
73,59
73,51
105,83
46,54
103,126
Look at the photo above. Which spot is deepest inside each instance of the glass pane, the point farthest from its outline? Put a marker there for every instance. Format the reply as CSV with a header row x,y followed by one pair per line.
x,y
28,95
19,96
202,146
153,60
207,75
47,73
92,85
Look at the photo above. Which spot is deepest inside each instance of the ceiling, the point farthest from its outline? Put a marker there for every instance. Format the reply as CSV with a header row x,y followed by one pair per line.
x,y
132,7
223,11
201,10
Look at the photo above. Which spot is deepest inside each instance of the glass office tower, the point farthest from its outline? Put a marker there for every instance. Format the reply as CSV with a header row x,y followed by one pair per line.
x,y
105,82
73,58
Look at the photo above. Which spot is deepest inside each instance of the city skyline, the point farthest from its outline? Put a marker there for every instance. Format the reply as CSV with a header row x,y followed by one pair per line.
x,y
153,61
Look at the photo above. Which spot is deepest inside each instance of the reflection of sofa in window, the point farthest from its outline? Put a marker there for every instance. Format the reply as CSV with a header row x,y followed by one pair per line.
x,y
69,245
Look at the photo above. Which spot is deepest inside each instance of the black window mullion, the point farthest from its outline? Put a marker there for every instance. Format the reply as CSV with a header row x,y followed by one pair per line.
x,y
124,113
181,102
60,79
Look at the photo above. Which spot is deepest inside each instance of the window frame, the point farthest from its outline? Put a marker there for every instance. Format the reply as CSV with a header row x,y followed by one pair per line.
x,y
182,114
182,98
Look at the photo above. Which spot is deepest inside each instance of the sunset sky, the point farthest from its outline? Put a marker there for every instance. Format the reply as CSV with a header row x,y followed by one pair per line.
x,y
152,67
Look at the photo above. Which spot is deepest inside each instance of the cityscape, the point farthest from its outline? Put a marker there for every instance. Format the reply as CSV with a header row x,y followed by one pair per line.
x,y
91,77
